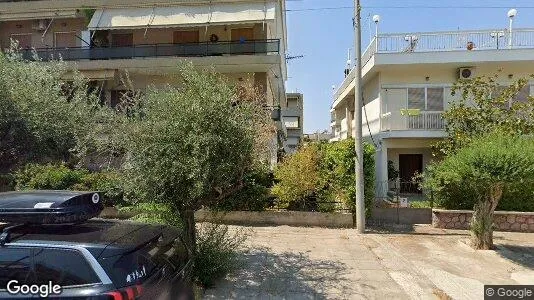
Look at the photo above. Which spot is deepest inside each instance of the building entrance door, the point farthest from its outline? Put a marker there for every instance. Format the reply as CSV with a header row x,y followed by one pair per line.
x,y
409,166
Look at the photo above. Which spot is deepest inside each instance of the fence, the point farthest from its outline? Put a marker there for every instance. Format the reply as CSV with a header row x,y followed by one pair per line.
x,y
396,193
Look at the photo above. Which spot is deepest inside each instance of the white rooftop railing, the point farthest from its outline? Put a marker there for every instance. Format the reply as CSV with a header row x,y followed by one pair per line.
x,y
470,40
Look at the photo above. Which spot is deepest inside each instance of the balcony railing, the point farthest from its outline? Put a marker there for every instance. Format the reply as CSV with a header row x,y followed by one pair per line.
x,y
156,50
425,120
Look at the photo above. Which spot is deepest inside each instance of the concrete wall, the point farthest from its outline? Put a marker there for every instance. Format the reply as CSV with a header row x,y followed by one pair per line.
x,y
503,220
407,216
291,218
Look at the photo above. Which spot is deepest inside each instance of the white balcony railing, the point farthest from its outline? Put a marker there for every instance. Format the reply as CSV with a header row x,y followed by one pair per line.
x,y
425,120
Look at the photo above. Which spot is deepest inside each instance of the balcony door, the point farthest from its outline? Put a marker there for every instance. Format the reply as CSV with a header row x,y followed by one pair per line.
x,y
65,39
185,37
122,40
24,40
243,34
409,166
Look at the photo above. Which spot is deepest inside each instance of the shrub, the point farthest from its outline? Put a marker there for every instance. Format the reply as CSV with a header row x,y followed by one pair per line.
x,y
337,172
7,182
255,194
298,177
153,213
320,176
460,179
61,177
217,253
48,177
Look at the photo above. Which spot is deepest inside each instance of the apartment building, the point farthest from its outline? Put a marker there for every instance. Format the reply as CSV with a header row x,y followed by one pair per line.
x,y
147,39
293,119
407,80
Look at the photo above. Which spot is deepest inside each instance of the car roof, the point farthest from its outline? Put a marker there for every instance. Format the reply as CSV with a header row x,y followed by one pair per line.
x,y
97,234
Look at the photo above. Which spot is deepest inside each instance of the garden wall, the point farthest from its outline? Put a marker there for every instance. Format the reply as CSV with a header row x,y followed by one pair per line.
x,y
504,220
291,218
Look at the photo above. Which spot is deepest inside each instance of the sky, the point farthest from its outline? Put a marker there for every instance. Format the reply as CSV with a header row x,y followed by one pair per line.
x,y
322,31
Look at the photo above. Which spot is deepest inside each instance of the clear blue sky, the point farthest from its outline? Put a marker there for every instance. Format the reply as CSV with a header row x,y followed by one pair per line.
x,y
323,37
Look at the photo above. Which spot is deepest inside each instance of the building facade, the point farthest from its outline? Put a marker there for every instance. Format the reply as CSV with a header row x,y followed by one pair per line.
x,y
145,41
293,119
407,80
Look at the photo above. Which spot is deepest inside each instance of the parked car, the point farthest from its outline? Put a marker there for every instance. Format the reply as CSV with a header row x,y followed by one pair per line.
x,y
63,253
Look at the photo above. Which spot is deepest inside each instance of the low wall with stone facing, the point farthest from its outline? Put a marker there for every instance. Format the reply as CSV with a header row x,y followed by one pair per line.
x,y
504,220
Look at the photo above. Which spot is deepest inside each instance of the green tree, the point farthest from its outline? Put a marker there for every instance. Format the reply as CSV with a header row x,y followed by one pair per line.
x,y
485,106
190,146
42,117
484,169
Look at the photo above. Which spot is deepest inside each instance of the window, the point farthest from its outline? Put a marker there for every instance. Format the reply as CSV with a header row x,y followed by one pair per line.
x,y
65,39
429,99
292,122
122,40
185,37
14,265
292,103
63,267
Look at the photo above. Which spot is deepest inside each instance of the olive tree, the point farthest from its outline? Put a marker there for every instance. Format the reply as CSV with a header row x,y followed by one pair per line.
x,y
188,146
43,117
484,169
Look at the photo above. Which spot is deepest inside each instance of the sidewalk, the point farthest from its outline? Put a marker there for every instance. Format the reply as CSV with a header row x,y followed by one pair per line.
x,y
315,263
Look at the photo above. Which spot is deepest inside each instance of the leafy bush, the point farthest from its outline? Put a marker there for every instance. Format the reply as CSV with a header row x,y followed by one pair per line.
x,y
7,182
298,177
255,194
152,213
321,175
61,177
217,252
460,180
337,172
48,177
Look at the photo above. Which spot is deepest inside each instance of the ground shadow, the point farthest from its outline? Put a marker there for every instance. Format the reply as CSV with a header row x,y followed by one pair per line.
x,y
391,228
285,275
522,255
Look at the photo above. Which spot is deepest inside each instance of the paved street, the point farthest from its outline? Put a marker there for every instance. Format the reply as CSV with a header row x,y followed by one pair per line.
x,y
314,263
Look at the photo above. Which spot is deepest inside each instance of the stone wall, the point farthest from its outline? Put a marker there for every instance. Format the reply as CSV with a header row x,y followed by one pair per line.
x,y
504,220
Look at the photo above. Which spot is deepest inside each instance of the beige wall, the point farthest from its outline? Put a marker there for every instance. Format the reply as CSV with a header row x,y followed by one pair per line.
x,y
22,27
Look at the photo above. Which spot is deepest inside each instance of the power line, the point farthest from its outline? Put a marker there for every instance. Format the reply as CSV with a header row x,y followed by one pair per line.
x,y
405,7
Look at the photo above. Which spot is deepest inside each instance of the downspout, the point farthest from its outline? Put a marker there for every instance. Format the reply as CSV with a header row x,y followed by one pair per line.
x,y
48,27
152,16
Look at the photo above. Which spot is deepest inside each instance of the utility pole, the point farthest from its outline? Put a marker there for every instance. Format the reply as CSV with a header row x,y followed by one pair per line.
x,y
360,204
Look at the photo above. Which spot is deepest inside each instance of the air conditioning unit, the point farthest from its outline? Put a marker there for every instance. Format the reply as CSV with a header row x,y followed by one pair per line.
x,y
466,73
40,25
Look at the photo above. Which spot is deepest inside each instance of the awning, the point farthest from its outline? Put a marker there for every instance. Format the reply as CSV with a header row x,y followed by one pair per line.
x,y
17,16
184,15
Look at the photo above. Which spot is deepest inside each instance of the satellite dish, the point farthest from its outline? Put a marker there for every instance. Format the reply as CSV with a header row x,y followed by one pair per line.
x,y
376,18
512,13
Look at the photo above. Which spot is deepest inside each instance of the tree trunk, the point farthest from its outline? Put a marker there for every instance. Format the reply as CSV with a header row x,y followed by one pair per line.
x,y
482,221
189,231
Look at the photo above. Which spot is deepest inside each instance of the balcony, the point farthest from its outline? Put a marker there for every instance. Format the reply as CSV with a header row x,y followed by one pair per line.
x,y
156,50
424,120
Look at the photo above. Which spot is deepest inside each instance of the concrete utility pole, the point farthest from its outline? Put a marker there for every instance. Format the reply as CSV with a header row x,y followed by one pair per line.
x,y
360,204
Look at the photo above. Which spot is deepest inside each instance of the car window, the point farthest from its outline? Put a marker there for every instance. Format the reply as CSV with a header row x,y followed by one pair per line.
x,y
63,267
15,264
131,268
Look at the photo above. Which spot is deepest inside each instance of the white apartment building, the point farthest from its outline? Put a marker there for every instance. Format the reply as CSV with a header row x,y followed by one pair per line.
x,y
407,80
147,39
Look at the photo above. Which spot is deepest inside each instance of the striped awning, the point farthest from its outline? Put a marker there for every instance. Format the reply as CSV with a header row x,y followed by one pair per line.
x,y
184,15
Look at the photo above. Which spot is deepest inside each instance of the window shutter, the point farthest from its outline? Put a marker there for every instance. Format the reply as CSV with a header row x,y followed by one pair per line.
x,y
416,98
434,99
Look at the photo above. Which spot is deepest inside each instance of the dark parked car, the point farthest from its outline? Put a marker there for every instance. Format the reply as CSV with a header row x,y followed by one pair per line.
x,y
93,259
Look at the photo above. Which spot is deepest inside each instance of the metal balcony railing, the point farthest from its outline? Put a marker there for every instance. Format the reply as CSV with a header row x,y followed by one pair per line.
x,y
156,50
